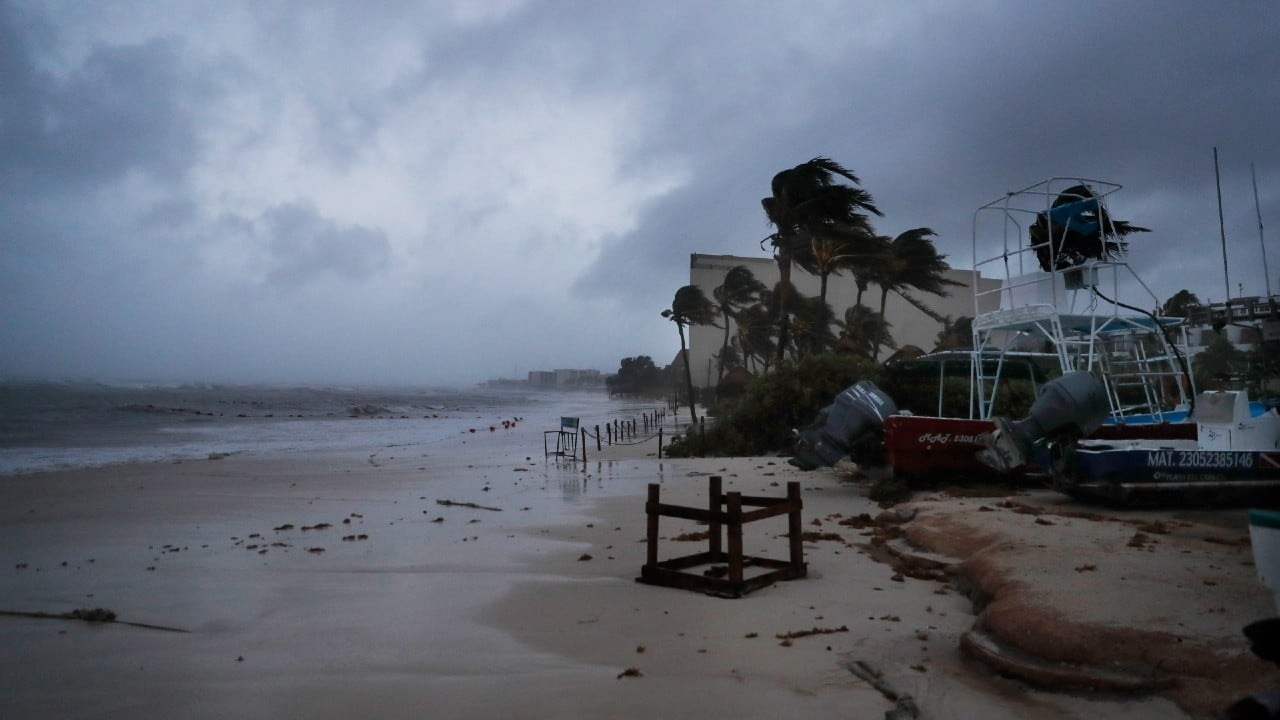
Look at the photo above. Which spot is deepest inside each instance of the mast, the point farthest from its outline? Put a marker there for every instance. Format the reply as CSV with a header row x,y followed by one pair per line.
x,y
1266,274
1222,230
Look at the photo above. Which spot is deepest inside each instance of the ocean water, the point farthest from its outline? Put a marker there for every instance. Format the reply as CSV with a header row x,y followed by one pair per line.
x,y
46,426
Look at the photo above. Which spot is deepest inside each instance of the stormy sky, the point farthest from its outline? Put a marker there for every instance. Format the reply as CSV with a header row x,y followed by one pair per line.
x,y
446,192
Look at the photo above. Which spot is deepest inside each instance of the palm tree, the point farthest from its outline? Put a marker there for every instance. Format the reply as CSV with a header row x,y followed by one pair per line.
x,y
915,264
739,289
853,249
689,307
813,333
755,336
807,202
859,331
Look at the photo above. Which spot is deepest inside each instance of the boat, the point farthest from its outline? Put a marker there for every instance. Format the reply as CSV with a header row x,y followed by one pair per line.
x,y
1236,454
1058,257
1061,261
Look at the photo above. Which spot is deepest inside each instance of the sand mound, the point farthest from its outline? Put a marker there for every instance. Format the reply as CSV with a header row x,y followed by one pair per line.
x,y
1073,599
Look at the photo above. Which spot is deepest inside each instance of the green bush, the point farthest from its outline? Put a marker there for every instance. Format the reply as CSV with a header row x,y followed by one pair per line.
x,y
761,419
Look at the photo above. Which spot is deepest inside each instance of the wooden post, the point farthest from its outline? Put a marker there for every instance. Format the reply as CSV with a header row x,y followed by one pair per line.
x,y
651,510
583,433
794,503
659,443
734,502
597,438
713,527
609,431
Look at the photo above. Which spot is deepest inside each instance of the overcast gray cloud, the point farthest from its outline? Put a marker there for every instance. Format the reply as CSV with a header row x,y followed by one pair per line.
x,y
451,191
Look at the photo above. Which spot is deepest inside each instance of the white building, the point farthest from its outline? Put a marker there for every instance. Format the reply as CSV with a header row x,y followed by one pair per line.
x,y
908,325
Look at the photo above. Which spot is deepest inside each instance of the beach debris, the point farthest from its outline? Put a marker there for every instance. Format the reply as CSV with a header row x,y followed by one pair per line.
x,y
630,672
584,557
904,706
454,503
316,550
90,615
812,631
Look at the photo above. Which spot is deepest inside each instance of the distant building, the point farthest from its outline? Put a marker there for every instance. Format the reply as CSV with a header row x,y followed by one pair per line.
x,y
542,379
908,325
566,379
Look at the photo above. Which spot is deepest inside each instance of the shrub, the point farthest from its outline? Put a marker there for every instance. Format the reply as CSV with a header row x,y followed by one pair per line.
x,y
761,419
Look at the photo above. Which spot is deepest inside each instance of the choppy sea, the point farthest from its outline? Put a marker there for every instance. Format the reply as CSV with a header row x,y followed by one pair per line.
x,y
47,426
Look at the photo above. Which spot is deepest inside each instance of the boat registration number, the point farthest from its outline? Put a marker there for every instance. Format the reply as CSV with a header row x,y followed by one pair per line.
x,y
1199,459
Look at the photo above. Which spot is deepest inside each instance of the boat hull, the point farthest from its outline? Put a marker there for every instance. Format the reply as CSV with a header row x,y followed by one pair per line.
x,y
1128,474
918,446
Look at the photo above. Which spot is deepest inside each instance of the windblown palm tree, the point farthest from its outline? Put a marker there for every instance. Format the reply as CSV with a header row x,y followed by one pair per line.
x,y
859,331
812,325
689,307
740,289
808,202
915,264
755,336
852,249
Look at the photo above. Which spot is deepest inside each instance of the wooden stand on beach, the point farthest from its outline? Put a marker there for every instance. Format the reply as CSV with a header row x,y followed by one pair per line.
x,y
733,582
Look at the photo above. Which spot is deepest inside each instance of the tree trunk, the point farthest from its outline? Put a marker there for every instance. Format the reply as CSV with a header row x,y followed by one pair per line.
x,y
881,327
688,374
724,347
784,300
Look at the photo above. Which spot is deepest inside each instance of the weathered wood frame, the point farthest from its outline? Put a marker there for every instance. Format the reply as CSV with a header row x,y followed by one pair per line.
x,y
671,573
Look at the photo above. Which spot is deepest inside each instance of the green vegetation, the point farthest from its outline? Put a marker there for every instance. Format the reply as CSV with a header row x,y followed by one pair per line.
x,y
639,377
761,419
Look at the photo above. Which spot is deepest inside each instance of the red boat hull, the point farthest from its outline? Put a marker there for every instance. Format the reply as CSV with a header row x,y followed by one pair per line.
x,y
921,446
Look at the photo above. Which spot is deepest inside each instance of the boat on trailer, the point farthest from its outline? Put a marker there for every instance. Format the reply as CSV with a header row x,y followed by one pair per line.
x,y
1061,261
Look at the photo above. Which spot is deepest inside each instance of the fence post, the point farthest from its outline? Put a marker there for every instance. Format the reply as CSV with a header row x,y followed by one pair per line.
x,y
651,510
583,431
659,443
713,526
597,438
734,502
794,503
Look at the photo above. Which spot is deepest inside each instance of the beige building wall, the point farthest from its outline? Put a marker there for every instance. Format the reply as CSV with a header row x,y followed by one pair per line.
x,y
908,324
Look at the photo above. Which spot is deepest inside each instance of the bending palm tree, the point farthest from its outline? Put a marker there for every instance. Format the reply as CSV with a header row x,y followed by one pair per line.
x,y
739,289
915,264
689,307
840,250
807,202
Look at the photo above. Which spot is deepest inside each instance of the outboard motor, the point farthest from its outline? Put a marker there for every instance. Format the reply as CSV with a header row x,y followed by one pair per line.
x,y
1074,404
860,409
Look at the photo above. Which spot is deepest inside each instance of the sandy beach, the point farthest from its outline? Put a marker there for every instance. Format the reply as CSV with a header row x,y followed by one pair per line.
x,y
481,579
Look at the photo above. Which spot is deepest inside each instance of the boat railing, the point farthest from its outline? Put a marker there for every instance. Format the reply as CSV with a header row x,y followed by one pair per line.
x,y
1070,309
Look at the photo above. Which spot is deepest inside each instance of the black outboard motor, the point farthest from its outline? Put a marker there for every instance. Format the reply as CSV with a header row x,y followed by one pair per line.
x,y
860,409
1072,405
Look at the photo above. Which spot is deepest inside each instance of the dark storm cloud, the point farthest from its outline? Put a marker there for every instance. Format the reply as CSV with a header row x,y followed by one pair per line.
x,y
181,178
966,102
302,245
122,109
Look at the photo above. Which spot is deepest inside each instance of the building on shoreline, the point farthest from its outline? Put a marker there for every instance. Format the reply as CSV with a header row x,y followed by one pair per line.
x,y
563,379
908,324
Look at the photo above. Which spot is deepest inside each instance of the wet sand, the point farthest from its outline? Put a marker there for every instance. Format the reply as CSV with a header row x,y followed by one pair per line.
x,y
340,586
